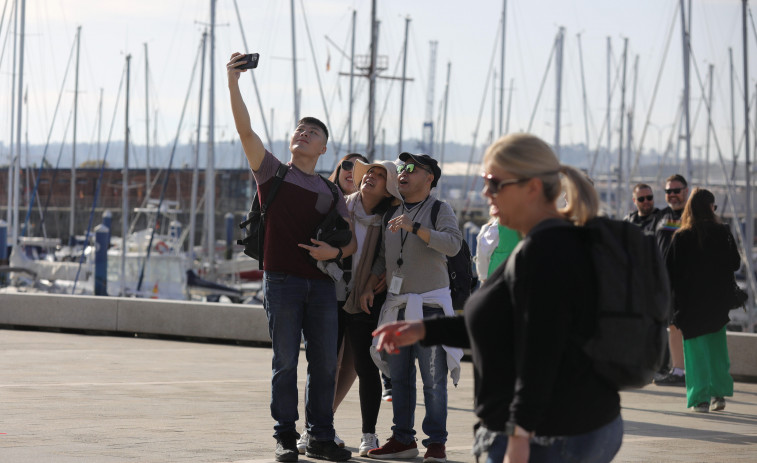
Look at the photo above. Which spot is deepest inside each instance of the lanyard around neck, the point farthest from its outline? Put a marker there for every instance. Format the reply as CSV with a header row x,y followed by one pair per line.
x,y
404,238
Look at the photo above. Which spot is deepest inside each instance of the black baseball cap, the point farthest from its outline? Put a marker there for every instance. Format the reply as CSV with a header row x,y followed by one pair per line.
x,y
424,160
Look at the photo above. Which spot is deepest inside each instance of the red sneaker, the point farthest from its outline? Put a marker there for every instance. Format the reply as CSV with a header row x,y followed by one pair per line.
x,y
395,449
435,452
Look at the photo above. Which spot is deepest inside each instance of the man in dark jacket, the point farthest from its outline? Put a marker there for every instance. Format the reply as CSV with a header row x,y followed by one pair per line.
x,y
667,222
645,213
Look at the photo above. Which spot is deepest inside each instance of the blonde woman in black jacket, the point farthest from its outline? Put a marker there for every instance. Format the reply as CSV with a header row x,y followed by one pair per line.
x,y
538,398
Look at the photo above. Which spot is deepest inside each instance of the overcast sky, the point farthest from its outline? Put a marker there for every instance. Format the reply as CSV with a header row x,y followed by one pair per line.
x,y
467,34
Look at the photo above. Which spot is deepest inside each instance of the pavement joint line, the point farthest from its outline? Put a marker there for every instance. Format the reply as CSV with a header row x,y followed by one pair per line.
x,y
139,383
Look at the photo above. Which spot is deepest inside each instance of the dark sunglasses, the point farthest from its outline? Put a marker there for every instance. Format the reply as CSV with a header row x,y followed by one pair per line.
x,y
410,168
641,199
673,191
348,165
492,185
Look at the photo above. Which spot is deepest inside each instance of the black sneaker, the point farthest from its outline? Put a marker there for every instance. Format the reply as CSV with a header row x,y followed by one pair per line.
x,y
326,450
671,380
286,447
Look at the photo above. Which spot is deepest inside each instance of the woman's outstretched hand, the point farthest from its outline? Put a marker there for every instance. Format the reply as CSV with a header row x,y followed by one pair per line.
x,y
392,336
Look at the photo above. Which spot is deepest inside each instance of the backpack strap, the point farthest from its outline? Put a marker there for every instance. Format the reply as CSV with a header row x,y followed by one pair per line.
x,y
435,211
277,181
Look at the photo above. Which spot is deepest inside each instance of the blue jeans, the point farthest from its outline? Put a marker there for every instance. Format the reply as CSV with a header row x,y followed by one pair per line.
x,y
598,446
432,362
300,307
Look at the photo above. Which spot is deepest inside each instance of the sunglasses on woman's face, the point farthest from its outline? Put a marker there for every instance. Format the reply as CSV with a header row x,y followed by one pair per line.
x,y
348,165
492,185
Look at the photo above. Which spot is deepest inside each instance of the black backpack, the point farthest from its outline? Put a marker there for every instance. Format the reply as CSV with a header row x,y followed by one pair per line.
x,y
633,303
459,266
255,223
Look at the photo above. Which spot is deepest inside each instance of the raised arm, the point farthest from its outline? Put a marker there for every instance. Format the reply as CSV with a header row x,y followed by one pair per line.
x,y
251,143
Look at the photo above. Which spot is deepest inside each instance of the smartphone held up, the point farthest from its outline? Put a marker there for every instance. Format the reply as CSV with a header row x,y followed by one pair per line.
x,y
249,61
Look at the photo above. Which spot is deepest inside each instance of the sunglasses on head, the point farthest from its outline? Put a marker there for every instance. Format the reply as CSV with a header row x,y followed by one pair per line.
x,y
641,199
410,168
673,191
492,185
348,165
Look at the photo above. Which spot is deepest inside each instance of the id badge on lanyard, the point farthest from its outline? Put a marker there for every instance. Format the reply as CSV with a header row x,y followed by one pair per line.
x,y
395,286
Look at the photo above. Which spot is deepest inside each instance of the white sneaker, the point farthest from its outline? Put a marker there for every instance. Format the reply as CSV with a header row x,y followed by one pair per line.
x,y
302,444
339,442
368,443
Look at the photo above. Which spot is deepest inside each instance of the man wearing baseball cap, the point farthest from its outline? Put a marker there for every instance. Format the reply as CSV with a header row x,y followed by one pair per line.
x,y
414,254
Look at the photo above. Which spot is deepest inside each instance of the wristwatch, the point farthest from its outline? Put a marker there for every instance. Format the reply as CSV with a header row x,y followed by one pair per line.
x,y
416,227
512,429
338,256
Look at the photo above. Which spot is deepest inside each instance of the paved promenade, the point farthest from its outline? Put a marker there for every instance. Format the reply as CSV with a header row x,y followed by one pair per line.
x,y
76,398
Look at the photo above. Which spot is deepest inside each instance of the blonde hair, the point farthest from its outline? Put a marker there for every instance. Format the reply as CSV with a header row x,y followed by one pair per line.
x,y
528,156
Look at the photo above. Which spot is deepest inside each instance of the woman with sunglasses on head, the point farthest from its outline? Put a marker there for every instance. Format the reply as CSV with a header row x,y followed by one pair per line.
x,y
537,396
701,261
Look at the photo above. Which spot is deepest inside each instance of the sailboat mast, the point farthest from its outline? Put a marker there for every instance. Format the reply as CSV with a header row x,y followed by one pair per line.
x,y
509,104
148,184
583,91
11,161
294,67
620,202
99,123
733,112
749,226
631,118
370,147
72,202
558,98
709,127
402,92
210,174
352,78
19,118
125,181
609,117
686,95
195,168
444,124
502,68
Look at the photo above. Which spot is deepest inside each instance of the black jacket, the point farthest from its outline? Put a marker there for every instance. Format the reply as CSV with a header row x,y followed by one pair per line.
x,y
646,222
701,276
524,329
666,223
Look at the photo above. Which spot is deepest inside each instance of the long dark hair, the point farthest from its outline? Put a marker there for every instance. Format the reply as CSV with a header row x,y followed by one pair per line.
x,y
697,212
334,177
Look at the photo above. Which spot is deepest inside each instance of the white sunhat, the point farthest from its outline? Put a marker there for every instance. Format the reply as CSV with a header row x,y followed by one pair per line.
x,y
392,184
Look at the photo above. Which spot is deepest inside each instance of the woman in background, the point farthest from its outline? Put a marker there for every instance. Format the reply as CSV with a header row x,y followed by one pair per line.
x,y
701,261
342,174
